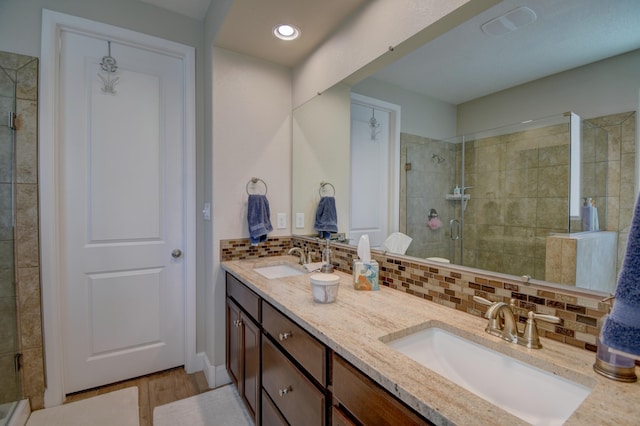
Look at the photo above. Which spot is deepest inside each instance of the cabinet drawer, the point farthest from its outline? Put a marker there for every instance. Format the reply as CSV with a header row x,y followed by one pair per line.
x,y
247,299
366,400
298,343
339,419
270,414
299,401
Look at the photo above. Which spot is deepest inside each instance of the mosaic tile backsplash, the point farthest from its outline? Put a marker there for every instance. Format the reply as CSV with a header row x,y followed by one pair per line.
x,y
453,287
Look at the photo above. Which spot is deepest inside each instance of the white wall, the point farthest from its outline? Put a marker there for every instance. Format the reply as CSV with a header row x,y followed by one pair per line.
x,y
605,87
252,137
364,40
421,115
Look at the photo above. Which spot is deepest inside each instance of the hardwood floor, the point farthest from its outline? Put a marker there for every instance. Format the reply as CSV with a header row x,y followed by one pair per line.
x,y
154,390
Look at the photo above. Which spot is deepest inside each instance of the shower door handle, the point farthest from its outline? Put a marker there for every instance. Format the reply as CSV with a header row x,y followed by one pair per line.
x,y
454,229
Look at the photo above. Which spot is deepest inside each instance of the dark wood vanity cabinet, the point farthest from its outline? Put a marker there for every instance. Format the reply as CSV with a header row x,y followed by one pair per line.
x,y
287,377
359,400
243,343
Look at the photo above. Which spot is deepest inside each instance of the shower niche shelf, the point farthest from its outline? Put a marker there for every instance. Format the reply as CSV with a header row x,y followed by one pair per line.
x,y
457,197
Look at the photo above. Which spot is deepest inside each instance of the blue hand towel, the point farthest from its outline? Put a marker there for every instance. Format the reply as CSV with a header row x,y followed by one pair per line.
x,y
621,329
258,218
326,217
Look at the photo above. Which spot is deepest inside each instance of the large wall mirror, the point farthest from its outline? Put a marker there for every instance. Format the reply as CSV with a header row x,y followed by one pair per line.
x,y
479,149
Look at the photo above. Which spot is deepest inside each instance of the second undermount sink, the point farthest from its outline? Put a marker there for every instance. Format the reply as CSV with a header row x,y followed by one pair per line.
x,y
279,271
534,395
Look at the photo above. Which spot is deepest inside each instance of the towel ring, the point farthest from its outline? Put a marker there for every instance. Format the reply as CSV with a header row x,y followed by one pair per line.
x,y
255,180
323,184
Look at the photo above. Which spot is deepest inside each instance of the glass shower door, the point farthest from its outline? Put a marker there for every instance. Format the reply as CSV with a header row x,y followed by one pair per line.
x,y
429,176
9,376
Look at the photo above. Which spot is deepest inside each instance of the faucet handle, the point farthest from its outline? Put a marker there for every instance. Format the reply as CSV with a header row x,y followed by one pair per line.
x,y
548,318
482,301
530,337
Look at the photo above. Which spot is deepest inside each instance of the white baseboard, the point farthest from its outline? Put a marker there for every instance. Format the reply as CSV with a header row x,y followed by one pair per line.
x,y
216,374
196,364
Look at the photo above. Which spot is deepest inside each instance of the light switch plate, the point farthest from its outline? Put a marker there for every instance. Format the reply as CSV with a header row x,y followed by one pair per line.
x,y
282,221
299,220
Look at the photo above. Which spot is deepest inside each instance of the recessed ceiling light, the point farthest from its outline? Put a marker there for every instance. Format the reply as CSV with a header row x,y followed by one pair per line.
x,y
286,32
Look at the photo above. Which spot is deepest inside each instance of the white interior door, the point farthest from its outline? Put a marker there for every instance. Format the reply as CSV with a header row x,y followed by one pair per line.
x,y
121,212
374,169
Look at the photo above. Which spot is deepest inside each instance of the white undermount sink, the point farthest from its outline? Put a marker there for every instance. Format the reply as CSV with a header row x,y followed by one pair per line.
x,y
279,271
534,395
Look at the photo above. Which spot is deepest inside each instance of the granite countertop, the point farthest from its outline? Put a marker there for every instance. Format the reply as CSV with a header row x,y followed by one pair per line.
x,y
354,325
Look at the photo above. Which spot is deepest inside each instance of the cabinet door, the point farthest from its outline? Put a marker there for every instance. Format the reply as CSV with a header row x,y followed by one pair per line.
x,y
369,403
251,377
234,342
270,414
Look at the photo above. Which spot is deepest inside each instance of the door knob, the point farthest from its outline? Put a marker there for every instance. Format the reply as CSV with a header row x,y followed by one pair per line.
x,y
176,253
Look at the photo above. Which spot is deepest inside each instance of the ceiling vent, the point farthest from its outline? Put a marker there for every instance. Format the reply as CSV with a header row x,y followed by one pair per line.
x,y
510,21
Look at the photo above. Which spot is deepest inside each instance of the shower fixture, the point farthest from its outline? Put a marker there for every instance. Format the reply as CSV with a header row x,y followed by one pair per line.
x,y
437,158
374,126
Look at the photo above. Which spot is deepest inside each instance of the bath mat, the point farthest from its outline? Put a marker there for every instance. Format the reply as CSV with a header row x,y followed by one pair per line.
x,y
219,407
114,408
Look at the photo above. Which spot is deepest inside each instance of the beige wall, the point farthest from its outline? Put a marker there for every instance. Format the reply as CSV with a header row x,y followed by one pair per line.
x,y
361,45
321,153
606,87
421,115
252,137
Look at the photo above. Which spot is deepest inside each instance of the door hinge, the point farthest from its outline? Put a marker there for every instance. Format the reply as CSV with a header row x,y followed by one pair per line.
x,y
407,166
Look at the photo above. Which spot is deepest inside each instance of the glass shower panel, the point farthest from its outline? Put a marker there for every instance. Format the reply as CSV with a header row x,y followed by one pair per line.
x,y
517,178
9,377
429,175
595,161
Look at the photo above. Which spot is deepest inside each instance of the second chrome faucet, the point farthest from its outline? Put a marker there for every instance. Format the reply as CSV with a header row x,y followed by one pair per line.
x,y
503,323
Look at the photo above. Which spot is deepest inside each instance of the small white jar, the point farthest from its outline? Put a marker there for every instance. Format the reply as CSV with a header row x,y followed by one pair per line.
x,y
324,287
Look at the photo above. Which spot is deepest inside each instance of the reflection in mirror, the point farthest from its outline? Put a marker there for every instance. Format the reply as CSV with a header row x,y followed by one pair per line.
x,y
531,181
507,210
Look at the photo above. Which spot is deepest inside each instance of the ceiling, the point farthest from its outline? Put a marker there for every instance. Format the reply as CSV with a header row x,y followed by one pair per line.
x,y
248,27
465,63
460,65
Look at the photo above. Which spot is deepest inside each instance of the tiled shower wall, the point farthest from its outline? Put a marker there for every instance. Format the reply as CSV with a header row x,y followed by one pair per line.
x,y
454,287
519,179
27,261
621,165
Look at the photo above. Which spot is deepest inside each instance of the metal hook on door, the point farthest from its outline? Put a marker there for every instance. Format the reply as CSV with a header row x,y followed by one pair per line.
x,y
454,225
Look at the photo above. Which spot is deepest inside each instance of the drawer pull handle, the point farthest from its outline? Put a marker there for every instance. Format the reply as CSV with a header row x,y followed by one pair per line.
x,y
284,336
285,391
237,323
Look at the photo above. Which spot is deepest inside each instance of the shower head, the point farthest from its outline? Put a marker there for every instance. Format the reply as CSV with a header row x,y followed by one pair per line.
x,y
437,158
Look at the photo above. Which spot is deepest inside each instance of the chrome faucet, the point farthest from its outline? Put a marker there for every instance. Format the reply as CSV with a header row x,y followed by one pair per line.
x,y
503,324
305,257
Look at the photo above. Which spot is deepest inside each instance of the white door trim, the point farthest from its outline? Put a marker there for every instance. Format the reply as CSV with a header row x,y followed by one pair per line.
x,y
50,245
394,153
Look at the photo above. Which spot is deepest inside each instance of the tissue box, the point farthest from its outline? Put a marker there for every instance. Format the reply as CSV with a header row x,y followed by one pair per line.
x,y
365,276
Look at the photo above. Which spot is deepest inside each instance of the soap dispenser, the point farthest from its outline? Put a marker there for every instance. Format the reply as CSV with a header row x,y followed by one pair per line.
x,y
456,190
610,364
